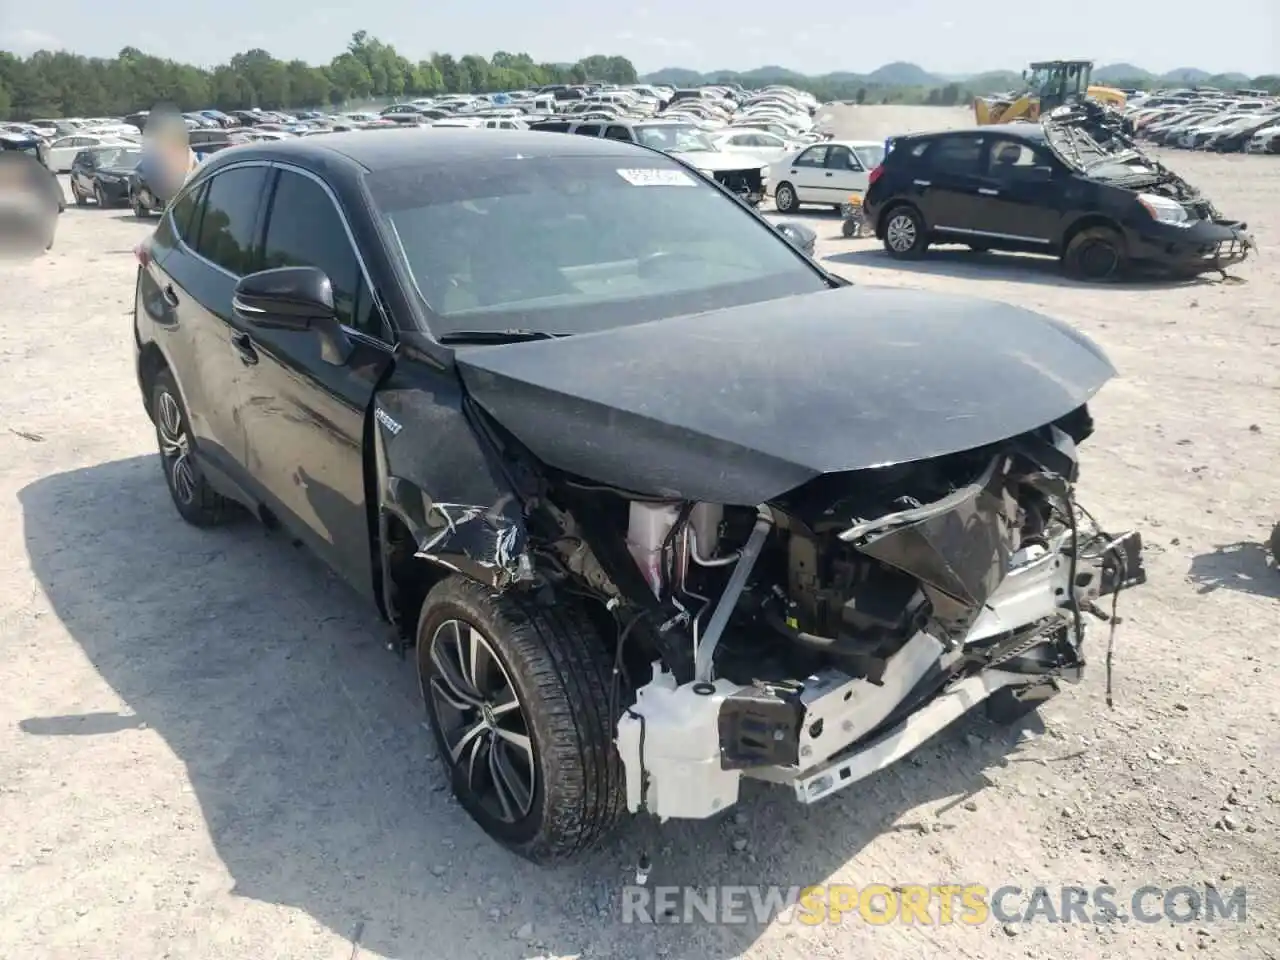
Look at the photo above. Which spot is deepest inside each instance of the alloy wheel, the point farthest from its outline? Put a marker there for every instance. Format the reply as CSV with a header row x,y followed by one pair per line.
x,y
478,714
175,448
901,233
785,199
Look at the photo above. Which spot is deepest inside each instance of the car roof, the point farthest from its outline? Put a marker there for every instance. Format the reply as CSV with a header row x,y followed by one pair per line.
x,y
1016,131
387,149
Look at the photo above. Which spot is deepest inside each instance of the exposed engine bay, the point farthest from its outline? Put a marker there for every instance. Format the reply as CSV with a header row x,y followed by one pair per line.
x,y
1090,137
819,637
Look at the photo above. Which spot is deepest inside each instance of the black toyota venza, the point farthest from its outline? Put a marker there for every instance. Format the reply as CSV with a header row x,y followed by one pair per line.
x,y
658,502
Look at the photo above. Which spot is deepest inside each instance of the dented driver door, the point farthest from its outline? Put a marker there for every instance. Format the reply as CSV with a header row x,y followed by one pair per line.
x,y
304,415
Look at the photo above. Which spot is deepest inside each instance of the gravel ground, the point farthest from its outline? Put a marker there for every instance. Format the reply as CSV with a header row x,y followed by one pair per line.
x,y
206,751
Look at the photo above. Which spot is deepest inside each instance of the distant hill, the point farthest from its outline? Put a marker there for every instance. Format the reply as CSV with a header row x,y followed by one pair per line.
x,y
1121,72
901,74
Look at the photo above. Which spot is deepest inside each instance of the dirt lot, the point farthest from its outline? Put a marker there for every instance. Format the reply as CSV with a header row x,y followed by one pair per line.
x,y
205,751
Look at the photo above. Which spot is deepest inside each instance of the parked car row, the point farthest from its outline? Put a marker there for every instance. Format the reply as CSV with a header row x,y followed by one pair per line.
x,y
1247,121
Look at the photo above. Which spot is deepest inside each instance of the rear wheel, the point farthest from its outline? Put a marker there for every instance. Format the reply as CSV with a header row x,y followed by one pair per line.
x,y
517,697
785,199
904,235
1095,254
197,502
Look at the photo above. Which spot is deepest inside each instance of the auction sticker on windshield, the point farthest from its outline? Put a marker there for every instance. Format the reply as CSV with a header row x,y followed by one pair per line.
x,y
657,177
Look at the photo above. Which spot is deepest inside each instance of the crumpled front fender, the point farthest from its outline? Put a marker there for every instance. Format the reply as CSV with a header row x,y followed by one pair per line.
x,y
445,484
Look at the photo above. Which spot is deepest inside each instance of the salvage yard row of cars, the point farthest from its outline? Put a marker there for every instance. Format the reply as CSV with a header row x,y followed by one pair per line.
x,y
744,139
1246,121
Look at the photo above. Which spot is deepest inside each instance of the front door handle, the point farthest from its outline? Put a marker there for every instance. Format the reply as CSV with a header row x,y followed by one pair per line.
x,y
170,295
988,192
244,346
923,183
829,173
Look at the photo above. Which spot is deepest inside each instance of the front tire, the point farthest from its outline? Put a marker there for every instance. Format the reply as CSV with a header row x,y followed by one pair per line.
x,y
517,697
1275,544
197,502
785,199
1094,255
904,234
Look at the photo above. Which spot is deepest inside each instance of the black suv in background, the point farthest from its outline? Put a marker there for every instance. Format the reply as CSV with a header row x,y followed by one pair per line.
x,y
104,175
1004,187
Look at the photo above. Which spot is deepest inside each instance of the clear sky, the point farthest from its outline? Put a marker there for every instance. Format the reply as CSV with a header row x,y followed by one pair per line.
x,y
1222,36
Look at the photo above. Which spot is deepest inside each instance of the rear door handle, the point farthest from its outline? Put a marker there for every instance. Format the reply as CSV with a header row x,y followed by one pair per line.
x,y
987,191
923,183
828,173
170,296
244,346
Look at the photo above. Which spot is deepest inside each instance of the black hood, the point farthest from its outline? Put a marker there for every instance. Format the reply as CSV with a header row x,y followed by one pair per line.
x,y
738,406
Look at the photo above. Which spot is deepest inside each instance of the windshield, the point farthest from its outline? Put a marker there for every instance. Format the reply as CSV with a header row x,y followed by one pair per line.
x,y
572,244
126,158
685,138
869,156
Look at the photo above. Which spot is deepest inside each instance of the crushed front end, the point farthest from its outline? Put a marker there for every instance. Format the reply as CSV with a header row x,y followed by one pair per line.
x,y
1175,227
825,635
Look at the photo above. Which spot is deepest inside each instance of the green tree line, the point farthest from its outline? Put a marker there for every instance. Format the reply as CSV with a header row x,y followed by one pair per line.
x,y
1269,82
62,84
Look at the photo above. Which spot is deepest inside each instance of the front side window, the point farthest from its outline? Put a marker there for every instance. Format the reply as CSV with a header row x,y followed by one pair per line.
x,y
304,229
813,157
570,244
232,202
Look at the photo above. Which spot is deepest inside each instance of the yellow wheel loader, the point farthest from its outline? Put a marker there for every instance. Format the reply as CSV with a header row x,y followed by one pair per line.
x,y
1050,84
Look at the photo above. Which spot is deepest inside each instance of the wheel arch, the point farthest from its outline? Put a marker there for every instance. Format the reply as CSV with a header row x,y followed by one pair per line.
x,y
889,209
1088,222
151,361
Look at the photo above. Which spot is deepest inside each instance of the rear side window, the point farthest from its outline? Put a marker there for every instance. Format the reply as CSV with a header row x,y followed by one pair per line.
x,y
956,154
588,130
226,233
813,157
618,133
304,229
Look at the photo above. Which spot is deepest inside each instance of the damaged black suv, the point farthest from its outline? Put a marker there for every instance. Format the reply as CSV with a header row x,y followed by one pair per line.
x,y
657,501
1048,188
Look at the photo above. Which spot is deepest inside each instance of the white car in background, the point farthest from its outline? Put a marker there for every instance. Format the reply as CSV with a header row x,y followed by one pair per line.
x,y
824,173
64,149
764,146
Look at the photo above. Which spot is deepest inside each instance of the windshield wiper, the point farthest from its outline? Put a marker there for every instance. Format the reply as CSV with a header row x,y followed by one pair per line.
x,y
518,335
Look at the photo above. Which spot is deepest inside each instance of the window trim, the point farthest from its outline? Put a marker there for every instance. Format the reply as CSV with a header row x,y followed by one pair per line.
x,y
195,185
208,175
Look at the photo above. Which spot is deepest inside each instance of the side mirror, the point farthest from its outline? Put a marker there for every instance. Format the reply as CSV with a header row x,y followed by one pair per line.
x,y
798,235
293,298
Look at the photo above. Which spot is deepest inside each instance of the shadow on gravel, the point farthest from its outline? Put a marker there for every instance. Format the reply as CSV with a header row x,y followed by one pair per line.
x,y
303,741
1243,567
1007,267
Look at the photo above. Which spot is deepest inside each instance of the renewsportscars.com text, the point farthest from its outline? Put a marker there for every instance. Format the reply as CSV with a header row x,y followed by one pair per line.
x,y
931,904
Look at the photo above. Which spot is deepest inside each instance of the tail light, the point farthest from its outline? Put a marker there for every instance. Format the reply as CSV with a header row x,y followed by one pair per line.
x,y
143,252
875,174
